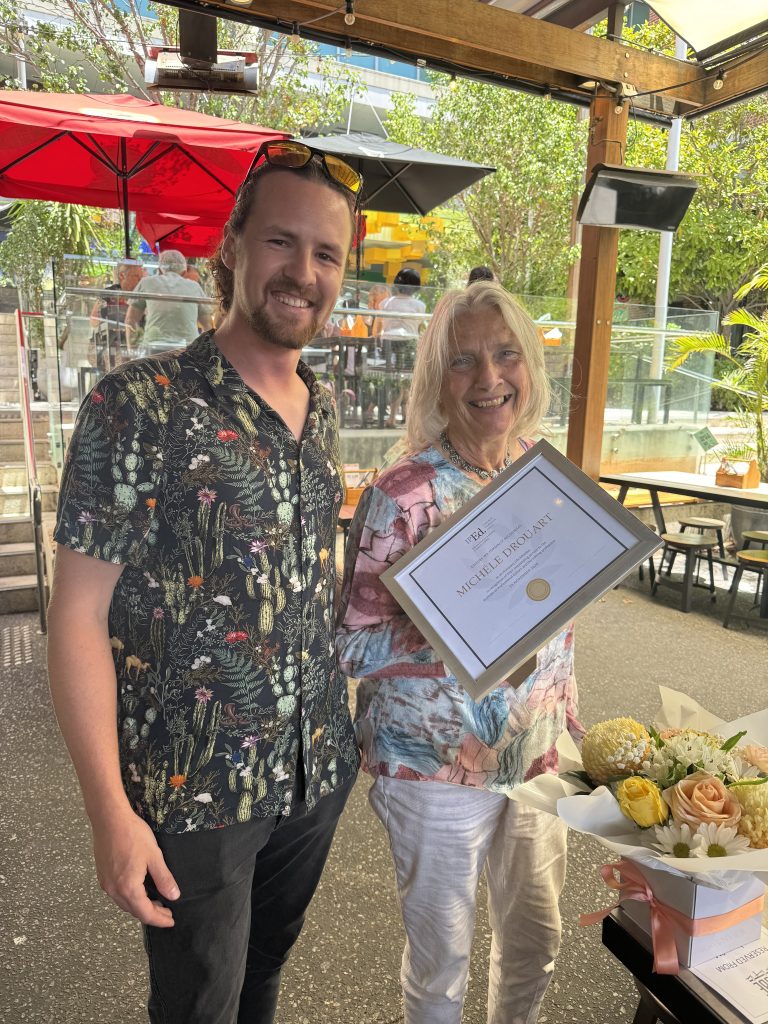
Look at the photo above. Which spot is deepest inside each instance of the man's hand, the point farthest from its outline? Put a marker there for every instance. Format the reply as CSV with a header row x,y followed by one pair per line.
x,y
126,852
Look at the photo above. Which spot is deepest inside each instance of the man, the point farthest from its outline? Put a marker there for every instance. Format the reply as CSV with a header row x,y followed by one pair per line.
x,y
193,603
400,336
480,274
169,322
108,315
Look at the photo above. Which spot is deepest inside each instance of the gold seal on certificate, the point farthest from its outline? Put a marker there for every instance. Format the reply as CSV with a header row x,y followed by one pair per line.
x,y
538,590
494,582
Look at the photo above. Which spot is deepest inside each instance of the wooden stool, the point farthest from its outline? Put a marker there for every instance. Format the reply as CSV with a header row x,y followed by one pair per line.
x,y
700,523
756,561
692,546
757,536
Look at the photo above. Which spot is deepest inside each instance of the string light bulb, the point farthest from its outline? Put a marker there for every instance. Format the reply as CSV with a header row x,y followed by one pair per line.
x,y
453,85
717,85
349,17
295,37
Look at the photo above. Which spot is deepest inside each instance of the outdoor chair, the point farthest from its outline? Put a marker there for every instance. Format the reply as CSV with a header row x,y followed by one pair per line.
x,y
700,524
760,537
692,546
752,561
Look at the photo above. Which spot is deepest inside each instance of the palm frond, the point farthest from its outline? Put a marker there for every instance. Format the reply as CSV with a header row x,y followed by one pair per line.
x,y
760,280
747,318
681,348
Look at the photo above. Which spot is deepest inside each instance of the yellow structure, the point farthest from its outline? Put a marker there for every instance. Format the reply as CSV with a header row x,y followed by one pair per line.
x,y
394,241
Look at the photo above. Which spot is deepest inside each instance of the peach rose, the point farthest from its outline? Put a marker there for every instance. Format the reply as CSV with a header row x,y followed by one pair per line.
x,y
700,799
756,755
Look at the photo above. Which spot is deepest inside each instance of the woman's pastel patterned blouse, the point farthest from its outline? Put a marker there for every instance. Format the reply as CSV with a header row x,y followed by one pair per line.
x,y
221,623
414,720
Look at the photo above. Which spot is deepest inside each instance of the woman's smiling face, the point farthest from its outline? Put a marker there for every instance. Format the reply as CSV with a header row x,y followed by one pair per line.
x,y
487,381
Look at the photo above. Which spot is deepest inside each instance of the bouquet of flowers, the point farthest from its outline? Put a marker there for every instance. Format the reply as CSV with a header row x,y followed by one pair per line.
x,y
689,794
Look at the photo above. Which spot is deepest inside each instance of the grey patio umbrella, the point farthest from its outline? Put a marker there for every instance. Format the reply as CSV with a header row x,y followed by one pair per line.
x,y
400,179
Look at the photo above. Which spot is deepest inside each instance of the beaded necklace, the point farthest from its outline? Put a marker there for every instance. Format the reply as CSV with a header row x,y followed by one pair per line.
x,y
461,462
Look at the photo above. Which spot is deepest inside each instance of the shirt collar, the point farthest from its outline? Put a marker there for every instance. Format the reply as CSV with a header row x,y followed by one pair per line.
x,y
223,378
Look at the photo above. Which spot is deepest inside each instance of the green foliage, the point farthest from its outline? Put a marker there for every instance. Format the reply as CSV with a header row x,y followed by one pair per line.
x,y
724,234
516,221
42,231
746,374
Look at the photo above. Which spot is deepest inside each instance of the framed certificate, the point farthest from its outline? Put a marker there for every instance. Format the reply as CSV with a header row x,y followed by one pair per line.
x,y
495,581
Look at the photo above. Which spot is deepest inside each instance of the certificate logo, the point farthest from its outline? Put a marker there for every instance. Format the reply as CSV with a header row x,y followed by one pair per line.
x,y
538,590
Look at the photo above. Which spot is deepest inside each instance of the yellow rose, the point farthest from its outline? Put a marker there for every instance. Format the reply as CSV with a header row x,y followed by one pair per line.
x,y
640,800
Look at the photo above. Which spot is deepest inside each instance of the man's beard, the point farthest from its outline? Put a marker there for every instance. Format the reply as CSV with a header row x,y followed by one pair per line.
x,y
276,333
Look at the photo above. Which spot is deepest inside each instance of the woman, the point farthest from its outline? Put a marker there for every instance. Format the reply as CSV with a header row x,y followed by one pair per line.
x,y
444,765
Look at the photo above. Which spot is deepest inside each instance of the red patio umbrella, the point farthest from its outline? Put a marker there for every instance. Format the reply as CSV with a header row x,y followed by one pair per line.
x,y
193,236
122,152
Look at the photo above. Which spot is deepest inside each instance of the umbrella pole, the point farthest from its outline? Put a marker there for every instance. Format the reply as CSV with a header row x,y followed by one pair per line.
x,y
126,212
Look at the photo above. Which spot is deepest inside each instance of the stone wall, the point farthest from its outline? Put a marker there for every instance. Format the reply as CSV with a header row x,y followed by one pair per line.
x,y
626,449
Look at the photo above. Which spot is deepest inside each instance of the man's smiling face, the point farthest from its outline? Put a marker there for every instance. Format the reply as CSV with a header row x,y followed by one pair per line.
x,y
288,262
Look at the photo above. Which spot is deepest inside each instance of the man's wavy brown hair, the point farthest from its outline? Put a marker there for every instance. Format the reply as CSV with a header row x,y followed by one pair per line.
x,y
223,278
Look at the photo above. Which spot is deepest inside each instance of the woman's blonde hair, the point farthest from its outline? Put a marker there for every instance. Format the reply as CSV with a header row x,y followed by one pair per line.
x,y
426,414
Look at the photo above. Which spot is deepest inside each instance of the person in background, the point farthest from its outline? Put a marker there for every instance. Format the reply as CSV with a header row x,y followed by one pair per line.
x,y
168,323
191,623
108,315
444,764
400,336
480,274
377,295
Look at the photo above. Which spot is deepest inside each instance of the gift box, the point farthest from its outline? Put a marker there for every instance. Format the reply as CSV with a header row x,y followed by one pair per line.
x,y
694,912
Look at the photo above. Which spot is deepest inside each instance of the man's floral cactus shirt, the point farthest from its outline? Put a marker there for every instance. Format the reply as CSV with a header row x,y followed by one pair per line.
x,y
221,623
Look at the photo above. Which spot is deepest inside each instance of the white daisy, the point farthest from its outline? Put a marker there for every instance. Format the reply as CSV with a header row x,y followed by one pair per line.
x,y
745,770
677,840
719,841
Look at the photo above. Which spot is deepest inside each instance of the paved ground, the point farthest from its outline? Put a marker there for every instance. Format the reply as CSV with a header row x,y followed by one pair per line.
x,y
69,957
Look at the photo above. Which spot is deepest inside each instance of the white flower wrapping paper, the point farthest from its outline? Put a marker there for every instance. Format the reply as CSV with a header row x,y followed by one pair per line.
x,y
597,813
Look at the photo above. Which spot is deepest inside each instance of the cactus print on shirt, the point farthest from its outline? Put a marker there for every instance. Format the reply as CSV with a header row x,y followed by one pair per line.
x,y
414,720
221,623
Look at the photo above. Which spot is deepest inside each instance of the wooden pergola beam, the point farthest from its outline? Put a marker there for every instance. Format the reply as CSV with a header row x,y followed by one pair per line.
x,y
481,39
749,79
596,297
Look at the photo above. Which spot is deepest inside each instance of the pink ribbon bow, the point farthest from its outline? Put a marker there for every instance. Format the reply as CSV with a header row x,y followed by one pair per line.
x,y
632,885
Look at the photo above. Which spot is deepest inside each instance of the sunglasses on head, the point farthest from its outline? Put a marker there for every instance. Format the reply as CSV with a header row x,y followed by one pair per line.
x,y
295,155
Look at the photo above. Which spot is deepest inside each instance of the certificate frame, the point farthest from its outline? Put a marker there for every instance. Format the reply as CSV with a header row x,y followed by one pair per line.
x,y
430,579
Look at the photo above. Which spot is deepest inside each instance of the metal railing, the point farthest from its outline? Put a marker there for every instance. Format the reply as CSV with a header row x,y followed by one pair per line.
x,y
30,459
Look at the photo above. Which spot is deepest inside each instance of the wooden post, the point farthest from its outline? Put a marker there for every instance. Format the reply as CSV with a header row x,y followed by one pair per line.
x,y
597,287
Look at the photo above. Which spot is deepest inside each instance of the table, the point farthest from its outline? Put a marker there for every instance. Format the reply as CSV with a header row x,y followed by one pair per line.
x,y
692,485
669,998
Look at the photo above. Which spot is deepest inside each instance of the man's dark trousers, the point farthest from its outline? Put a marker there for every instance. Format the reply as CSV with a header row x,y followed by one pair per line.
x,y
245,890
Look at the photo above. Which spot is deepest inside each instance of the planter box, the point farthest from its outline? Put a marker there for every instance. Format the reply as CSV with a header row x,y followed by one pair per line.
x,y
698,901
